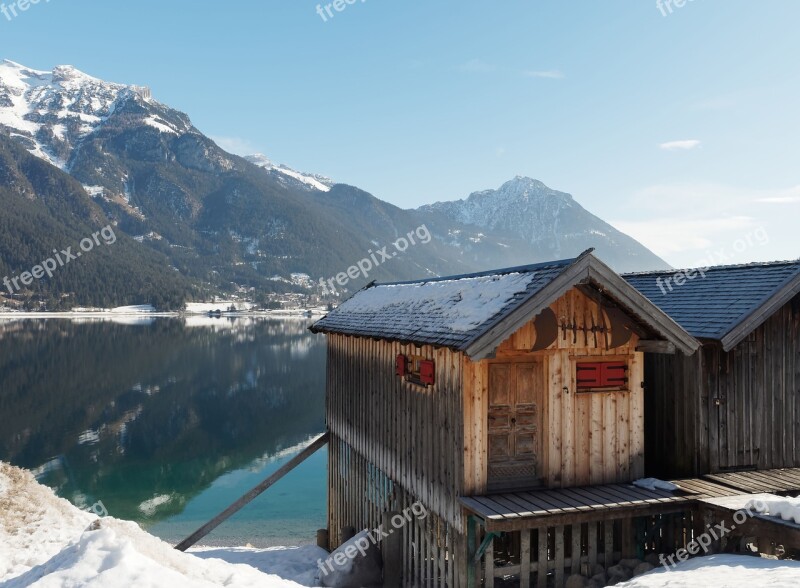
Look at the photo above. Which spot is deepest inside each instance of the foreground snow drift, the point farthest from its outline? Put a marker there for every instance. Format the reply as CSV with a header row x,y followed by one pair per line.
x,y
723,571
47,542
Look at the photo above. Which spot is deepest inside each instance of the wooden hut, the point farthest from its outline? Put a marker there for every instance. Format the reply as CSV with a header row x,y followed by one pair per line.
x,y
734,405
510,404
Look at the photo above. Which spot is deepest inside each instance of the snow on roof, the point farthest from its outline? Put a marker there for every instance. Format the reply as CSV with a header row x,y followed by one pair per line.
x,y
448,311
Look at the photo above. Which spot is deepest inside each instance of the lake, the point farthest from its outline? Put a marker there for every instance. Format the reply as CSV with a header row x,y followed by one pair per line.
x,y
168,421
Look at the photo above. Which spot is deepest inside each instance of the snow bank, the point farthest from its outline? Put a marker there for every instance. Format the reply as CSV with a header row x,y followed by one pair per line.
x,y
723,571
786,508
46,542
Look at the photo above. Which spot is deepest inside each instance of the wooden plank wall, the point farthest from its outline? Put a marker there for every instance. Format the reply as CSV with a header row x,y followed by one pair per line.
x,y
412,434
722,410
591,438
433,551
676,409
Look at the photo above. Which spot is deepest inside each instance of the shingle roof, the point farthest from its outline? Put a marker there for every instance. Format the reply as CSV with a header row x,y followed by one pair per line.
x,y
449,312
716,301
475,313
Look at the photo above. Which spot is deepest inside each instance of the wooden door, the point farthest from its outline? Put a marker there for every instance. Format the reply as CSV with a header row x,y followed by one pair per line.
x,y
516,393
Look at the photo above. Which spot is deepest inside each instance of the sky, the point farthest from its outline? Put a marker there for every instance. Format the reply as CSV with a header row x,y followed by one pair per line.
x,y
677,124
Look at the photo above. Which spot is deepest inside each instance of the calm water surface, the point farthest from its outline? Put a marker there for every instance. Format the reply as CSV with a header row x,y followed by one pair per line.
x,y
168,421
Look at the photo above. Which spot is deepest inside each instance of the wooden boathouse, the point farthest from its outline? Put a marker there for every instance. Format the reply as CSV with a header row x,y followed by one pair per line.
x,y
735,405
511,405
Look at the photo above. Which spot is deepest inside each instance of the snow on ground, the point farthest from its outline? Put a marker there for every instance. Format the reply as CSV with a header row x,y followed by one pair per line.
x,y
48,543
290,562
722,571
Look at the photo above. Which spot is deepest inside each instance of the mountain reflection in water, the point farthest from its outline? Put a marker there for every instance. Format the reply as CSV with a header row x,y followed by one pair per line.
x,y
152,415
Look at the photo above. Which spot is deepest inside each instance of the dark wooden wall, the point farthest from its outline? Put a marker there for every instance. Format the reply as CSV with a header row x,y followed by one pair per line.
x,y
718,410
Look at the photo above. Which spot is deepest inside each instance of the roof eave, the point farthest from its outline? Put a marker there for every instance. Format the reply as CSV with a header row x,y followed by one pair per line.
x,y
587,268
483,345
644,310
759,316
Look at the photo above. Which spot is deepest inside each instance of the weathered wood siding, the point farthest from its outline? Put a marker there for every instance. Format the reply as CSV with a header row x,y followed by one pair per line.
x,y
722,410
412,434
590,438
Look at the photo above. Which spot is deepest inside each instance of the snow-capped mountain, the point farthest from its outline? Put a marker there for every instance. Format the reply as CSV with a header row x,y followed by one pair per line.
x,y
549,222
289,175
222,222
52,112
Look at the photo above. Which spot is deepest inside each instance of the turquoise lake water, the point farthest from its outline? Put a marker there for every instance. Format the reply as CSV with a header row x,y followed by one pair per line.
x,y
168,421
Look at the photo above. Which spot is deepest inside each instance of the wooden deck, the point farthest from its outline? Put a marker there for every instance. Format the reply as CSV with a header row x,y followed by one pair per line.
x,y
515,511
520,510
767,481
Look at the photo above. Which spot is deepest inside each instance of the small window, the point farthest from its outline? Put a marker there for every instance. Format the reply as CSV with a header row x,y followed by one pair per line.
x,y
602,376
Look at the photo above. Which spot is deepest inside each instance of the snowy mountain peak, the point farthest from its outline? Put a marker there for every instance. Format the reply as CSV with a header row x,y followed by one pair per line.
x,y
523,187
287,174
552,222
52,112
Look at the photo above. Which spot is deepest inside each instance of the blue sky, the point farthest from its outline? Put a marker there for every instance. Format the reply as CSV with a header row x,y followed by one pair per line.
x,y
681,130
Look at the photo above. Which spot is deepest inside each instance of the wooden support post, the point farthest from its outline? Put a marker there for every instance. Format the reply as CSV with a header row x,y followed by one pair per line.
x,y
323,540
488,557
392,550
472,548
541,570
525,559
255,492
348,533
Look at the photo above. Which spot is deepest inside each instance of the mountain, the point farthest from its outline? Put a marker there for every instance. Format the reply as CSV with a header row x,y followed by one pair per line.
x,y
291,177
46,212
537,223
219,223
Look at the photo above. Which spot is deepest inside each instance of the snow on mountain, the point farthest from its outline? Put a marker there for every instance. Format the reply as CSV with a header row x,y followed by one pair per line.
x,y
314,181
52,112
522,205
549,221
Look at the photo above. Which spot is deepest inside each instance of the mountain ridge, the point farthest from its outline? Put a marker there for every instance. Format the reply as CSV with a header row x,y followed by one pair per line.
x,y
226,223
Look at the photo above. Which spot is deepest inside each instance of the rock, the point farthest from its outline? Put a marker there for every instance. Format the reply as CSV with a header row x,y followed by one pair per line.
x,y
652,559
576,581
598,580
356,564
618,573
643,568
630,563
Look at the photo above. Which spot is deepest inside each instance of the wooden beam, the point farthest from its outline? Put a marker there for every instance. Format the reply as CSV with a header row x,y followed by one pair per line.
x,y
654,346
252,494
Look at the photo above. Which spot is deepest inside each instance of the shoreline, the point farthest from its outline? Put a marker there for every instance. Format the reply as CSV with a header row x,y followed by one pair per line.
x,y
300,313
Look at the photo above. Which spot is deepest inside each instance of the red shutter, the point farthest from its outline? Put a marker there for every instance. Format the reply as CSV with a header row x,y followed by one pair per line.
x,y
401,366
608,374
614,373
427,372
589,375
